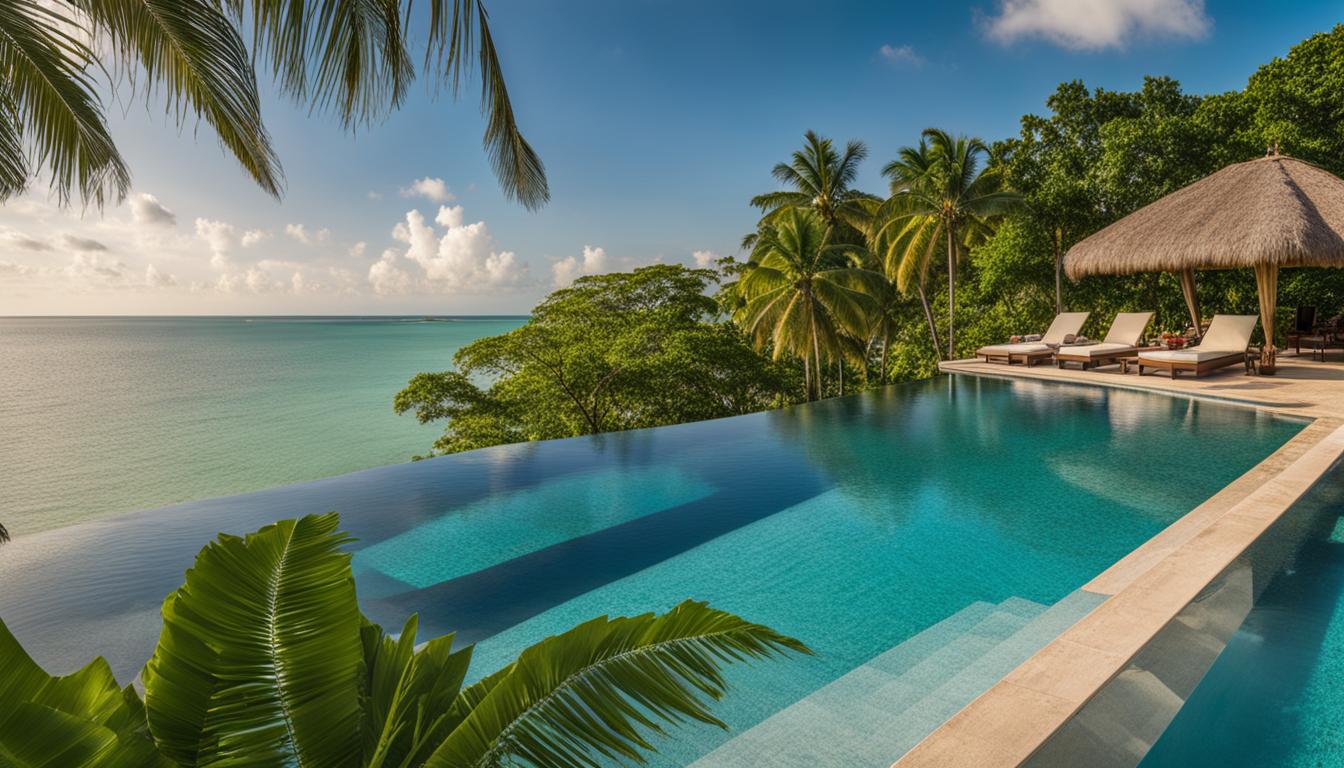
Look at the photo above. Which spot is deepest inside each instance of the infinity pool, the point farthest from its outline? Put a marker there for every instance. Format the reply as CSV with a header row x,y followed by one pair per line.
x,y
1275,696
919,538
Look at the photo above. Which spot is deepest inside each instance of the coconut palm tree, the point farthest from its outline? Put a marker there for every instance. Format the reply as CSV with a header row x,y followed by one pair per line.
x,y
4,534
820,179
264,659
803,294
943,194
352,59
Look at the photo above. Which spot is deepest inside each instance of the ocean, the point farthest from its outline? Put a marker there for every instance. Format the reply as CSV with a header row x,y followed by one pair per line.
x,y
114,414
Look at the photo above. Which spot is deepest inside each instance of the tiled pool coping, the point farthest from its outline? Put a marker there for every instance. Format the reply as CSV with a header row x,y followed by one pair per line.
x,y
1151,585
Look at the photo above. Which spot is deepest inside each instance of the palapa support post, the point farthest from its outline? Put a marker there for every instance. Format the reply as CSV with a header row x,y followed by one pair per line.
x,y
1267,283
1191,299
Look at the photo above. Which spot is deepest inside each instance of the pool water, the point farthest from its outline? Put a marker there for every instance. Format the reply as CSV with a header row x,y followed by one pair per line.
x,y
920,538
1275,696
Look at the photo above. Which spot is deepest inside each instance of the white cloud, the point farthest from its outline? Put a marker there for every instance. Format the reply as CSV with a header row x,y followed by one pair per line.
x,y
253,236
593,262
901,54
146,209
93,268
464,258
74,243
374,195
431,189
705,259
24,242
156,279
220,237
300,233
357,250
1098,24
387,278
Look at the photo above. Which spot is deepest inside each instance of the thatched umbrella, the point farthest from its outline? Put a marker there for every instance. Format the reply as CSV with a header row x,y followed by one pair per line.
x,y
1273,212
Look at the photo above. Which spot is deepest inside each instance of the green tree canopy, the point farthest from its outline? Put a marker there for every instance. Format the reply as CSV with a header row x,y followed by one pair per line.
x,y
611,352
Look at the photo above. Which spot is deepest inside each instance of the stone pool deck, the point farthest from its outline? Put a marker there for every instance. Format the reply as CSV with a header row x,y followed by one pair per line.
x,y
1146,589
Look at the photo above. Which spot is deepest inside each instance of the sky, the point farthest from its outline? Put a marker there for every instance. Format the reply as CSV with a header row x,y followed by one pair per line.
x,y
656,120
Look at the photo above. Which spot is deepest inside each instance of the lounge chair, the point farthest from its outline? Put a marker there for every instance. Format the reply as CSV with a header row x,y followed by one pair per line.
x,y
1224,344
1065,324
1122,340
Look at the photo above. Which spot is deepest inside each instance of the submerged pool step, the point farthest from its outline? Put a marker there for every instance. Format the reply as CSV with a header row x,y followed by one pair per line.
x,y
877,711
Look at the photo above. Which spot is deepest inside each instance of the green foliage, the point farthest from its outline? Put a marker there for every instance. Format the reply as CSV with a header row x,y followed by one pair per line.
x,y
347,57
612,352
264,659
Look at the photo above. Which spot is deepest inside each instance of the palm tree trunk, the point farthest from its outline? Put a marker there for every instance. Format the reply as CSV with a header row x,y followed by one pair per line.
x,y
807,378
840,371
951,296
1059,271
928,318
886,344
816,355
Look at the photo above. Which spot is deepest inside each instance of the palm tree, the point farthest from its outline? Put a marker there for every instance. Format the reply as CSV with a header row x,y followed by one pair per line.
x,y
803,295
4,534
348,58
820,179
942,192
265,659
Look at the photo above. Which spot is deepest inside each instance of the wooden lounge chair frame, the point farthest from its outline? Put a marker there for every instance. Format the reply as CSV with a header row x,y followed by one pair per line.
x,y
1199,368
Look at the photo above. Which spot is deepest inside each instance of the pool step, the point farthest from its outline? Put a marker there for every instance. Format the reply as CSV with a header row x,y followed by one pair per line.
x,y
873,714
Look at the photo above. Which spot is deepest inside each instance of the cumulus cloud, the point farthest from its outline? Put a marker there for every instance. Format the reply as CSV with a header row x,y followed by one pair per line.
x,y
24,242
94,268
157,279
357,250
463,258
431,189
146,209
301,234
1097,24
593,262
705,259
904,55
81,243
220,237
253,236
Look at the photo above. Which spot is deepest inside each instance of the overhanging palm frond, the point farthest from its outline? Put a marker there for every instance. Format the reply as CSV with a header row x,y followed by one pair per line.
x,y
364,68
459,30
260,655
59,117
192,50
14,173
595,691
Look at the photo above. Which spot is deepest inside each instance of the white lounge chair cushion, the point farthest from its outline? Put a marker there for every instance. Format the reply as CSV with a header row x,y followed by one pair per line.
x,y
1229,333
1013,349
1103,349
1185,355
1064,324
1128,328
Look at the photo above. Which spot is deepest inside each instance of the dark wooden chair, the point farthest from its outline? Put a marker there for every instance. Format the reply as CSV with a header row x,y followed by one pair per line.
x,y
1304,325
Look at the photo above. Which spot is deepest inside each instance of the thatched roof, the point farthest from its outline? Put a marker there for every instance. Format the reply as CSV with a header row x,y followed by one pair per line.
x,y
1274,210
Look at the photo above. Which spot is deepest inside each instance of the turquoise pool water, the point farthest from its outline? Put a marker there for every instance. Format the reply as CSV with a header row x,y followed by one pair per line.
x,y
905,534
1275,696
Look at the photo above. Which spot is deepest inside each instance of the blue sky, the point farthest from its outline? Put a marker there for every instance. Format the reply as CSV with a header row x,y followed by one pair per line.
x,y
657,120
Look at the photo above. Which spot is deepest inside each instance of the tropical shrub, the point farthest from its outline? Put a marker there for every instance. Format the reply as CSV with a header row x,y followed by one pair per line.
x,y
611,352
265,659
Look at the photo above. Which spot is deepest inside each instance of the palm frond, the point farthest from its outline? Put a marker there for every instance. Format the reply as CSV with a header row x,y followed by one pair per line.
x,y
459,29
364,68
260,656
595,691
59,117
192,50
14,173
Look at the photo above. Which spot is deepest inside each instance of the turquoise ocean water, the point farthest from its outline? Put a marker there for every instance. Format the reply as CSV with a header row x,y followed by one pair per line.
x,y
107,415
